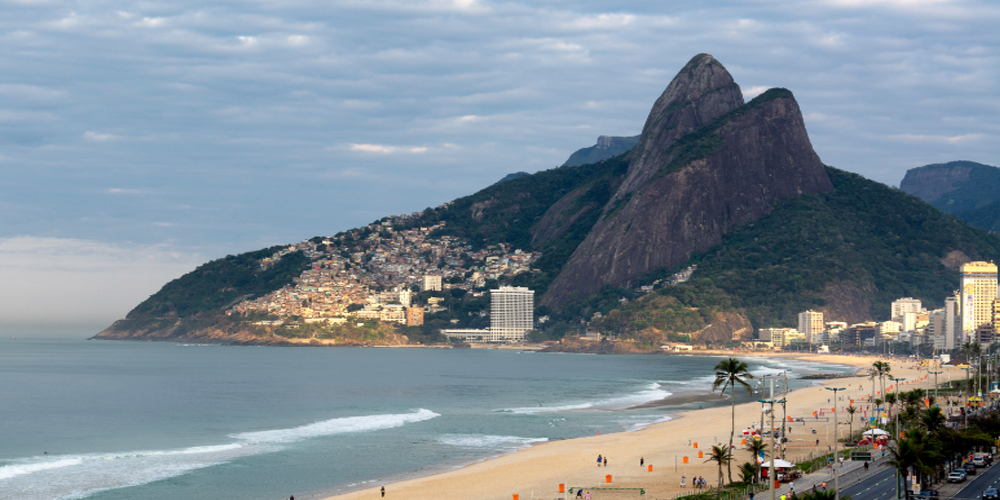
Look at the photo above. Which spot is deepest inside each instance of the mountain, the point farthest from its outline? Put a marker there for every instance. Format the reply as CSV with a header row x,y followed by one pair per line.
x,y
720,220
705,163
606,147
966,189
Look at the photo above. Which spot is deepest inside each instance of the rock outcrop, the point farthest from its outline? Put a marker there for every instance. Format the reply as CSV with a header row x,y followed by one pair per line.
x,y
705,163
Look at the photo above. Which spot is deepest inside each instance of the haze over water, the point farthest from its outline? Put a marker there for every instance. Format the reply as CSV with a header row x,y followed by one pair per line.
x,y
116,420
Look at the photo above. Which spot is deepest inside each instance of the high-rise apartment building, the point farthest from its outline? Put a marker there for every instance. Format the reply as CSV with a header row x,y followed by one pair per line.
x,y
903,306
512,313
979,290
810,323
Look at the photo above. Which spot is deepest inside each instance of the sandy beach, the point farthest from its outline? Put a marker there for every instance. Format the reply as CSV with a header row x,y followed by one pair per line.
x,y
538,471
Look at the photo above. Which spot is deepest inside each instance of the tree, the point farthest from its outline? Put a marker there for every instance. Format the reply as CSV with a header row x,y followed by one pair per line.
x,y
729,373
720,456
755,447
851,410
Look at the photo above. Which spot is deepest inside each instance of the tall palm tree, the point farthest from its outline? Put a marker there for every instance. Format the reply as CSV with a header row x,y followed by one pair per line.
x,y
730,373
851,410
882,370
720,456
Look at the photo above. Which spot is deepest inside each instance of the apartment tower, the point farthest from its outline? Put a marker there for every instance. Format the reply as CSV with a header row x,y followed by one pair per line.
x,y
979,290
810,323
512,313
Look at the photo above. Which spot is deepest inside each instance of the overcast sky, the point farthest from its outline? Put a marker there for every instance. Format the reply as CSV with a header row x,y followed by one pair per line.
x,y
140,139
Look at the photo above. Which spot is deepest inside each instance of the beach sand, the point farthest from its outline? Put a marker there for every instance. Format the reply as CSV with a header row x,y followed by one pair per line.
x,y
538,471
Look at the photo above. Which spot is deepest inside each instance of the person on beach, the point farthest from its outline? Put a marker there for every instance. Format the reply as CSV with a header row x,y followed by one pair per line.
x,y
605,461
599,459
579,493
588,495
383,492
641,460
683,485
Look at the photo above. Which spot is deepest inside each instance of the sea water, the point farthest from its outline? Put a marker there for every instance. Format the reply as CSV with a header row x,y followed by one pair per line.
x,y
157,420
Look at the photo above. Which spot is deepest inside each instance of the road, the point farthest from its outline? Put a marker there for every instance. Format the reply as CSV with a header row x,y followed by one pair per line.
x,y
882,486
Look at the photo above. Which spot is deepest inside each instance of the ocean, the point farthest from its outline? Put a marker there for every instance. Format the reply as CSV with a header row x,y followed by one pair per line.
x,y
110,420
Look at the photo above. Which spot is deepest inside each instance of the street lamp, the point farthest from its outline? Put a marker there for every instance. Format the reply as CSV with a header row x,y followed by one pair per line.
x,y
836,457
968,388
771,475
897,381
936,386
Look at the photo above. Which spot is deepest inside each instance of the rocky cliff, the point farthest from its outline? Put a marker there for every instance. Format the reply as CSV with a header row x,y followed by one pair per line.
x,y
705,163
965,189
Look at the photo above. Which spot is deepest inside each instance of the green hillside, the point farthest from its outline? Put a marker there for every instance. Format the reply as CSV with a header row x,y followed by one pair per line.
x,y
218,283
882,242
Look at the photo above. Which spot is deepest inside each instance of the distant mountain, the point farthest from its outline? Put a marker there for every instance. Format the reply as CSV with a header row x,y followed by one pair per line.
x,y
515,175
965,189
606,147
720,220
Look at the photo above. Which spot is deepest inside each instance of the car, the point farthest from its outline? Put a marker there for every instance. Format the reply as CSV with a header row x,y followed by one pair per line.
x,y
970,469
991,494
956,477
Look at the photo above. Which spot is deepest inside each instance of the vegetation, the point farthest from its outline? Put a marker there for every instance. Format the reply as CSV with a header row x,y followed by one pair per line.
x,y
730,373
863,236
217,284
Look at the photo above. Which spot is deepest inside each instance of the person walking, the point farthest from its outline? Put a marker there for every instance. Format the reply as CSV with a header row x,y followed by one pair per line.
x,y
641,460
599,459
383,492
683,482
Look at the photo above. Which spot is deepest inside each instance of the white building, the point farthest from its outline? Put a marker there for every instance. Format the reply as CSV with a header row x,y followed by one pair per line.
x,y
405,297
512,313
810,323
903,306
432,283
978,289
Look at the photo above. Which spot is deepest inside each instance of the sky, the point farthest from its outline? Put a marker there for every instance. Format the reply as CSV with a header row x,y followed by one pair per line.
x,y
139,139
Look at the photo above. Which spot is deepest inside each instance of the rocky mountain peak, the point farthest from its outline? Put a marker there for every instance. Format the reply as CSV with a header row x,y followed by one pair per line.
x,y
706,163
701,92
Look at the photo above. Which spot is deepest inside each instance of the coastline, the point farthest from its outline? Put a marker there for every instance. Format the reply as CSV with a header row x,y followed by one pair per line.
x,y
537,471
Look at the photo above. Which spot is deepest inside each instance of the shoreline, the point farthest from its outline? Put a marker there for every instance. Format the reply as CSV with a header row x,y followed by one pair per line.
x,y
536,471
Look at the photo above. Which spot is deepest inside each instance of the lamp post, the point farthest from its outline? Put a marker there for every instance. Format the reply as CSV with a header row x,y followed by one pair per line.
x,y
836,457
936,386
965,406
897,381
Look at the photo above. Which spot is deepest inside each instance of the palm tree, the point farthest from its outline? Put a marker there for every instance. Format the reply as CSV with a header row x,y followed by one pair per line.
x,y
748,472
729,373
851,410
755,447
882,370
720,455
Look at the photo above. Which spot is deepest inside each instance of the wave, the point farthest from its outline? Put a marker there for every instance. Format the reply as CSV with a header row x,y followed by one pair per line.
x,y
489,441
68,477
335,426
652,392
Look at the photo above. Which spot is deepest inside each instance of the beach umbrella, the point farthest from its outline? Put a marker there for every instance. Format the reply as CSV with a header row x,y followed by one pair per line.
x,y
874,432
781,464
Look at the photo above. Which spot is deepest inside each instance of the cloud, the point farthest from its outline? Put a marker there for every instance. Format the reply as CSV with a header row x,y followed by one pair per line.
x,y
98,136
81,281
151,22
941,139
378,148
754,91
125,191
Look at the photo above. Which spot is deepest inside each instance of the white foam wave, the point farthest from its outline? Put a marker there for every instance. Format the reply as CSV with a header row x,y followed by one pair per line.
x,y
489,441
78,476
9,471
336,426
651,392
